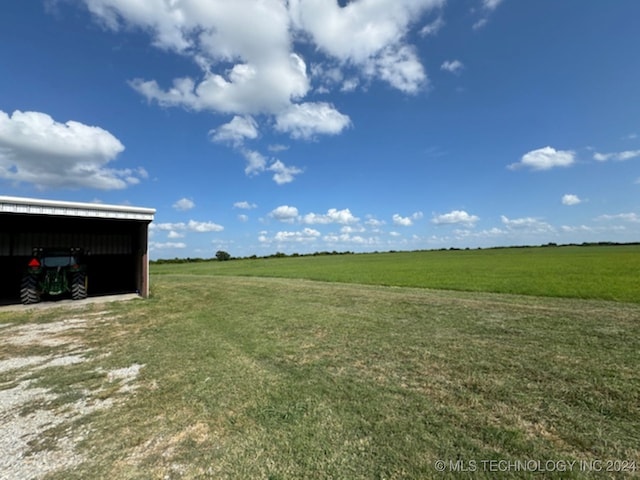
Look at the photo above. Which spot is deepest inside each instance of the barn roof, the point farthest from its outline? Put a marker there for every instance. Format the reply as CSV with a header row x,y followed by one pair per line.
x,y
35,206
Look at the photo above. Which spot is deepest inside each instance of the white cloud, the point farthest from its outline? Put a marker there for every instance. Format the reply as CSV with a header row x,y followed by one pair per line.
x,y
488,6
285,213
236,131
242,128
309,119
277,148
346,238
406,221
243,218
369,34
530,224
36,149
333,215
282,173
433,27
491,4
192,225
166,245
545,159
245,205
173,234
455,217
184,204
246,52
306,235
570,199
374,222
619,156
203,227
352,229
260,72
256,162
453,66
399,67
627,217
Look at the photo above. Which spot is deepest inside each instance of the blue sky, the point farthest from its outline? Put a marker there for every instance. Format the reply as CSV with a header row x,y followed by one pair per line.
x,y
258,126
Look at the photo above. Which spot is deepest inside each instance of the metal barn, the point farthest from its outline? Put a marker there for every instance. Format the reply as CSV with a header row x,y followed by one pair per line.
x,y
114,237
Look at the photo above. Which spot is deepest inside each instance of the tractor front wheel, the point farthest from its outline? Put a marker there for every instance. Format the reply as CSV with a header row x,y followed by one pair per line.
x,y
79,286
29,290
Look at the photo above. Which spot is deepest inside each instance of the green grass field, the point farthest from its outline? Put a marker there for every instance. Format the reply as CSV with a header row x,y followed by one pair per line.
x,y
597,272
247,377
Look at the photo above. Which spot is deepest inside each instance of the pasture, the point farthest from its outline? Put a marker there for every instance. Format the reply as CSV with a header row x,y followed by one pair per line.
x,y
311,368
597,272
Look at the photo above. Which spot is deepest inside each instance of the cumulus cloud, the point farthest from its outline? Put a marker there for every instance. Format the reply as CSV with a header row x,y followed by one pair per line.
x,y
545,159
305,235
347,238
184,204
166,245
309,119
36,149
370,34
570,199
333,215
236,131
530,224
285,213
406,221
245,205
618,156
262,73
256,162
204,227
282,173
374,222
266,74
192,226
453,66
455,217
260,79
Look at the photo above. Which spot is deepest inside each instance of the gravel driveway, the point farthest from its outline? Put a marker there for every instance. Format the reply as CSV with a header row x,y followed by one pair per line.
x,y
38,427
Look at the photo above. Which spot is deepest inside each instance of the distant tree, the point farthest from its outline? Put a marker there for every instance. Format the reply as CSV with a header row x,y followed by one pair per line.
x,y
222,256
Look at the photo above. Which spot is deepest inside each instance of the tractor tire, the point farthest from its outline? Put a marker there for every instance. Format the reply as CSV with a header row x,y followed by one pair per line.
x,y
79,286
29,290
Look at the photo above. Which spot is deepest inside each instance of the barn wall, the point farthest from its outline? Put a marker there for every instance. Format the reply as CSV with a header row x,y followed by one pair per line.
x,y
114,250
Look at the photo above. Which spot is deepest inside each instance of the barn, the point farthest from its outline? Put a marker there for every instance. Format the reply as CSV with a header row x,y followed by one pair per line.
x,y
114,239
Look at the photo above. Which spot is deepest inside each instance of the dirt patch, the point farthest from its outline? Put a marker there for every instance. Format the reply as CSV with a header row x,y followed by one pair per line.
x,y
39,425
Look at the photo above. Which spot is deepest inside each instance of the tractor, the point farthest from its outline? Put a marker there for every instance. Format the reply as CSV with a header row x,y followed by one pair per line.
x,y
54,272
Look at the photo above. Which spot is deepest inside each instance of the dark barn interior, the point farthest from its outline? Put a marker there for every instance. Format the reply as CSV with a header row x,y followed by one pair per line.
x,y
115,250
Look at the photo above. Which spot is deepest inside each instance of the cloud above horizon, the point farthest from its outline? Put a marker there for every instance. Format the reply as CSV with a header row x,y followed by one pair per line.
x,y
36,149
261,79
545,159
455,217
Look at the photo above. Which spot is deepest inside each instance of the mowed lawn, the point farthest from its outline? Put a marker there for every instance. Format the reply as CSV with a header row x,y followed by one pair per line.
x,y
249,377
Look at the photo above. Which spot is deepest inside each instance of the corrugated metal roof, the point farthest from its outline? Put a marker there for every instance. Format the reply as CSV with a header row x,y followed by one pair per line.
x,y
35,206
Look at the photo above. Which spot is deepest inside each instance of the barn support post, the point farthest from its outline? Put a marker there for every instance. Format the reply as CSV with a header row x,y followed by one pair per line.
x,y
143,260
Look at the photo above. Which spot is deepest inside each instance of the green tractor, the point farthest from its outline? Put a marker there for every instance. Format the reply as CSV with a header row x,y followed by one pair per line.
x,y
54,272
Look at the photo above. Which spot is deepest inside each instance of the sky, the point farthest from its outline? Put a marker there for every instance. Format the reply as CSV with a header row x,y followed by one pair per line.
x,y
300,126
